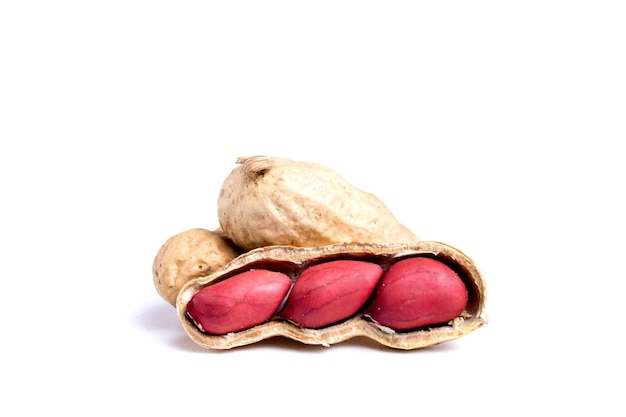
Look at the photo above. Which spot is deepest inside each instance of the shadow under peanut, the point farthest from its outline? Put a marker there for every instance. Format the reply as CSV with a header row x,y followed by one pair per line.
x,y
159,320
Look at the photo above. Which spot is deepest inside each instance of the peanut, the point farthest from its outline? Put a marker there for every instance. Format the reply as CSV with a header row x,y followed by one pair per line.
x,y
190,254
331,291
275,201
418,292
404,296
240,302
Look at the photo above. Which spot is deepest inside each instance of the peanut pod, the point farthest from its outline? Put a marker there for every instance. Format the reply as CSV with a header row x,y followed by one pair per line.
x,y
292,261
269,201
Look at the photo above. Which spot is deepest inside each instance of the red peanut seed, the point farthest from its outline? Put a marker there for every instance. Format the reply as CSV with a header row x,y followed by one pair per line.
x,y
239,302
329,292
418,292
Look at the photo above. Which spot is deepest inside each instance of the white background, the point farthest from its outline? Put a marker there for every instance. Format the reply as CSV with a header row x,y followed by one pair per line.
x,y
495,127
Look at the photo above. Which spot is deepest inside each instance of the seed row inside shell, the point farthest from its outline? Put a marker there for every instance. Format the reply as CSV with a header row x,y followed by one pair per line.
x,y
292,262
413,292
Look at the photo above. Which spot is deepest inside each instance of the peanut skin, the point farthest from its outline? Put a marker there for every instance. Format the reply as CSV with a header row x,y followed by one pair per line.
x,y
240,302
329,292
418,292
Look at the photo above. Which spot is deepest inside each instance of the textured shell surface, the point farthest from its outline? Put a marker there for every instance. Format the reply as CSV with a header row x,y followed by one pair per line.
x,y
187,255
275,201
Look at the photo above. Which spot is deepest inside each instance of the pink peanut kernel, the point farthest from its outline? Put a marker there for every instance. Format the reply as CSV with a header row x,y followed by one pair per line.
x,y
331,291
239,302
418,292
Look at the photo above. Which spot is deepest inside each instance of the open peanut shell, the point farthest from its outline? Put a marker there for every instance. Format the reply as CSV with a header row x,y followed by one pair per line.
x,y
292,260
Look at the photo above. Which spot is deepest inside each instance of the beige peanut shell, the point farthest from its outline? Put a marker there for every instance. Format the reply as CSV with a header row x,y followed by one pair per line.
x,y
290,259
191,254
275,201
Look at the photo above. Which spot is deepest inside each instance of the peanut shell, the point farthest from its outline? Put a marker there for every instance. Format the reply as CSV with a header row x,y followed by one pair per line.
x,y
291,260
190,254
275,201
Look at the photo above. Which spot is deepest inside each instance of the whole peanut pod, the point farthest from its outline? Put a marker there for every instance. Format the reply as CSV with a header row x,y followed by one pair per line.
x,y
275,201
187,255
340,272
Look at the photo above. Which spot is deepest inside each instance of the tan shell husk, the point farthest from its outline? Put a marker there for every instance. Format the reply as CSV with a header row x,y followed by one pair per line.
x,y
268,201
289,259
187,255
